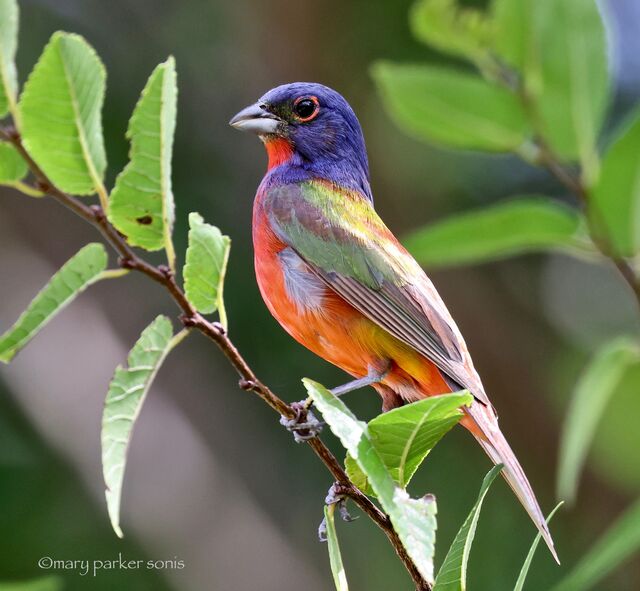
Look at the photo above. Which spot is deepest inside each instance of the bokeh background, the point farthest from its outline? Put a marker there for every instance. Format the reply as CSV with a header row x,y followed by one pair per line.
x,y
212,479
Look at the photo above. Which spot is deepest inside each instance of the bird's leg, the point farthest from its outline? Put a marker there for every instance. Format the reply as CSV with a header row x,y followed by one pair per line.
x,y
375,376
335,496
304,425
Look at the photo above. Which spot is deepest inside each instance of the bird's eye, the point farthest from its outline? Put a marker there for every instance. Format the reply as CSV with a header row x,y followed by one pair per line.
x,y
306,108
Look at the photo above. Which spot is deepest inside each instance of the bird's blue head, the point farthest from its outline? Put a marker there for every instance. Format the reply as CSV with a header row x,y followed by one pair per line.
x,y
310,131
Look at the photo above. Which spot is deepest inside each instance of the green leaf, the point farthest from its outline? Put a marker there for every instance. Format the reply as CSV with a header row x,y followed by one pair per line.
x,y
61,114
78,273
595,387
335,558
522,577
616,196
9,17
206,265
127,392
518,226
42,584
464,32
451,108
12,167
515,34
559,47
404,436
572,84
141,204
452,575
413,519
620,542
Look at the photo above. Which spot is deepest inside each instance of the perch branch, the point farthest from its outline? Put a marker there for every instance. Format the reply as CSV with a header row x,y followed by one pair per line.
x,y
161,274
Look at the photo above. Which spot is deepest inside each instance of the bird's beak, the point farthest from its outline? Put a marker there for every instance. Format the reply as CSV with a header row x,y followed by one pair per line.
x,y
257,119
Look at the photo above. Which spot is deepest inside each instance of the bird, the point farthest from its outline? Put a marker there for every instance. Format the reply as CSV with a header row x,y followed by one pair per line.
x,y
338,280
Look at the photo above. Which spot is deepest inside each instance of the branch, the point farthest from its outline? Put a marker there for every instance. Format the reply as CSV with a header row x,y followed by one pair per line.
x,y
161,274
574,184
547,158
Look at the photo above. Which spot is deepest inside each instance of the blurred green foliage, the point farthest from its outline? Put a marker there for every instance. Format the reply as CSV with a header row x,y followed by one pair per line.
x,y
546,65
518,226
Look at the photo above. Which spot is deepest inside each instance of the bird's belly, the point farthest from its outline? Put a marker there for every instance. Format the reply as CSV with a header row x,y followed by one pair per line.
x,y
311,313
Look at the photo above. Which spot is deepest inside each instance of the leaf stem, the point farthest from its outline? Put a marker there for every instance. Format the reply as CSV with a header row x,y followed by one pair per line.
x,y
191,319
26,189
112,274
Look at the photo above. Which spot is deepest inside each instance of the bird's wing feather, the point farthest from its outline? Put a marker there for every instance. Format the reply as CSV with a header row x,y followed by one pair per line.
x,y
344,242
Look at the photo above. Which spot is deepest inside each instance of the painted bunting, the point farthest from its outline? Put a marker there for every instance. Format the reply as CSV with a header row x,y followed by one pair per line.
x,y
341,284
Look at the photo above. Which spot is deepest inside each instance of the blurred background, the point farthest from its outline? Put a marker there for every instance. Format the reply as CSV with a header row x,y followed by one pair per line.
x,y
212,480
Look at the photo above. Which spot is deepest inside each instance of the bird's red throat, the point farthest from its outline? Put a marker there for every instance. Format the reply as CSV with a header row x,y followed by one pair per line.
x,y
279,151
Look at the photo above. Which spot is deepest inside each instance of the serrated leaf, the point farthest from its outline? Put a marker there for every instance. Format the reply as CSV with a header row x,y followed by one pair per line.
x,y
335,557
127,392
445,25
78,273
522,577
12,167
205,267
595,387
41,584
414,520
404,436
61,115
9,18
620,542
571,83
451,108
518,226
616,196
141,204
452,575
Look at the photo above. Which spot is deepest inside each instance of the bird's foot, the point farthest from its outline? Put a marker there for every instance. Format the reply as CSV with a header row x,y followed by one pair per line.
x,y
375,376
304,425
335,496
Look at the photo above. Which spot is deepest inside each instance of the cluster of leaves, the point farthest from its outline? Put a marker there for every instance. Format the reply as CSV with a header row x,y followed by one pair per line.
x,y
541,91
382,457
539,88
59,117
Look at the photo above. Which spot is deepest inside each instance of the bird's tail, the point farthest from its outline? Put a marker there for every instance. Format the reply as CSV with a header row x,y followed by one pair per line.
x,y
483,423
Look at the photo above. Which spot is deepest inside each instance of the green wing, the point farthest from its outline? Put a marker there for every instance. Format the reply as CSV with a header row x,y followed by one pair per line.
x,y
344,242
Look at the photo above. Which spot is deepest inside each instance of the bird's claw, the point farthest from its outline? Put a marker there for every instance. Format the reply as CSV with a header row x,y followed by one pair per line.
x,y
335,496
304,425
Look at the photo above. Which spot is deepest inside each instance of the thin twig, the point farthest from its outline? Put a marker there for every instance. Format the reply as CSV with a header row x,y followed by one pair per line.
x,y
190,318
